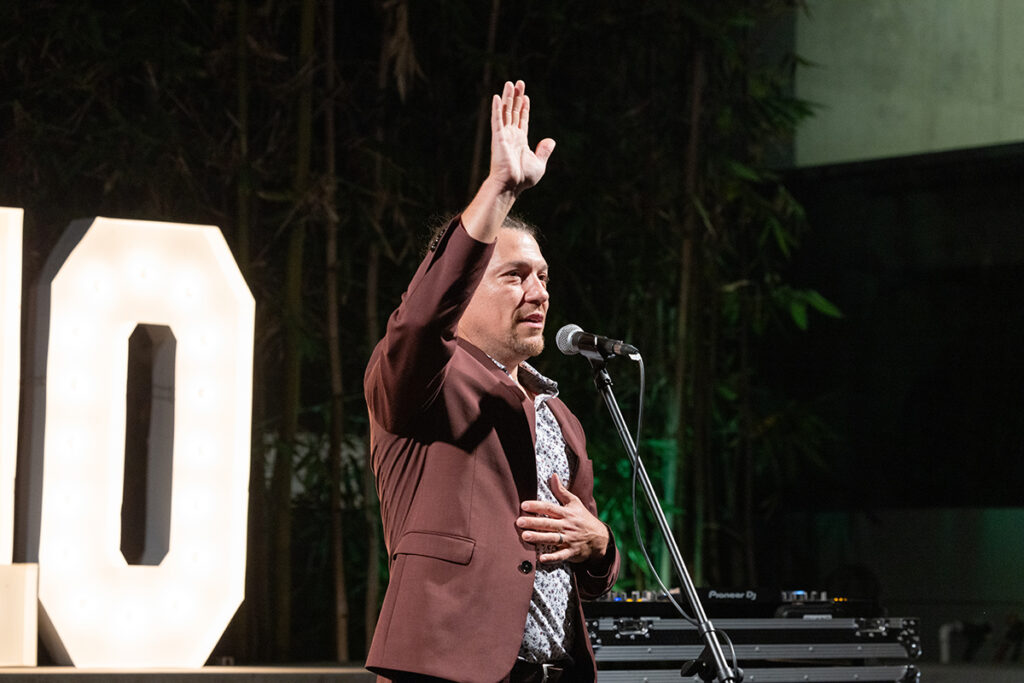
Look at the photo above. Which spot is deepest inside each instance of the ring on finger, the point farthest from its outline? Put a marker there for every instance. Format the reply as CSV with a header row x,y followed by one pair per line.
x,y
561,541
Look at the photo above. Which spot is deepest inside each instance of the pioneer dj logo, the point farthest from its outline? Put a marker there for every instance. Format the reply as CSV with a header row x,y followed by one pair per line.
x,y
737,595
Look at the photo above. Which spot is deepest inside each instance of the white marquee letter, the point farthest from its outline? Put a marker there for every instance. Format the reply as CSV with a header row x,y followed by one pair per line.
x,y
17,582
10,369
103,279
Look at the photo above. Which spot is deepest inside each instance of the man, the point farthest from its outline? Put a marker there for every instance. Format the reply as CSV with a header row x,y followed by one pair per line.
x,y
485,486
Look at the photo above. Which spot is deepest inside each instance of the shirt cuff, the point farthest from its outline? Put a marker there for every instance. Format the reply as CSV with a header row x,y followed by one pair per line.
x,y
599,569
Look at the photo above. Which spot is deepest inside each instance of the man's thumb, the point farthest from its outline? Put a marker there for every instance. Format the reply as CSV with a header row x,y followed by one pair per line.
x,y
544,149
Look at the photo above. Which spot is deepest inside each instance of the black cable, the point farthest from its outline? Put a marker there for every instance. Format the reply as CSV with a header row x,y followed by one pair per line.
x,y
636,522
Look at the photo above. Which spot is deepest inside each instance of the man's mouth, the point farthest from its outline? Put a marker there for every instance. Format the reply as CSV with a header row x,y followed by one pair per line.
x,y
533,320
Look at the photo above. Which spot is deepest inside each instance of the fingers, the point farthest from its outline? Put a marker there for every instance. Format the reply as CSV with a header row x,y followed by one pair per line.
x,y
508,110
554,537
507,99
496,108
563,555
518,98
545,524
501,108
566,540
545,531
539,507
563,527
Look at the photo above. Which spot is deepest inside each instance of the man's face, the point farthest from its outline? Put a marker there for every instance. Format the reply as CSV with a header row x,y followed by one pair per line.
x,y
505,318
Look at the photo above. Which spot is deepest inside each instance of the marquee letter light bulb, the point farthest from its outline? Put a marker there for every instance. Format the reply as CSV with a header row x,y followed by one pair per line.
x,y
104,278
10,368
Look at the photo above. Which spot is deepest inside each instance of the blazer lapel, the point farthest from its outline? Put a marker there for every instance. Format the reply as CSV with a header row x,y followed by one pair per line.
x,y
521,452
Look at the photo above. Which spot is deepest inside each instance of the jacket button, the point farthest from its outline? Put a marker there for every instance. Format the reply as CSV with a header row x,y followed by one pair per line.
x,y
525,567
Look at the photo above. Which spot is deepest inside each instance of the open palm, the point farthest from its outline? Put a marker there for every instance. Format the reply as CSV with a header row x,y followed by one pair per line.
x,y
512,160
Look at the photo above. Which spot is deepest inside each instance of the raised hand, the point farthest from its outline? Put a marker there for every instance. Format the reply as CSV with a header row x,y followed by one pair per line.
x,y
513,163
514,166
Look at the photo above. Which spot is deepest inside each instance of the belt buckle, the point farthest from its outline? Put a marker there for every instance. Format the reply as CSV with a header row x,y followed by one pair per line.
x,y
550,673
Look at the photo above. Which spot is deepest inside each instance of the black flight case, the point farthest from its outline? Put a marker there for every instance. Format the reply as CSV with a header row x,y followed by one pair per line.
x,y
647,641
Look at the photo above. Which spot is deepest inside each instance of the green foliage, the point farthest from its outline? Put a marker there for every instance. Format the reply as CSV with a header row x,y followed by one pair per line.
x,y
614,481
747,227
800,301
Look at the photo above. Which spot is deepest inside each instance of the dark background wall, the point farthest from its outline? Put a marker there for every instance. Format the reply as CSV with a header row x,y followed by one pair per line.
x,y
918,501
924,375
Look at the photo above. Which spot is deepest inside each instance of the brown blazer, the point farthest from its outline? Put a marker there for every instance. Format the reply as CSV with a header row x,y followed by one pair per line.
x,y
452,447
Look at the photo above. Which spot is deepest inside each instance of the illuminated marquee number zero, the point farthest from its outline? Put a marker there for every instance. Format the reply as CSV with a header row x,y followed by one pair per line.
x,y
105,278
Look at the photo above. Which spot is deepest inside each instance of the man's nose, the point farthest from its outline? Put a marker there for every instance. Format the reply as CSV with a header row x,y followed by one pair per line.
x,y
536,291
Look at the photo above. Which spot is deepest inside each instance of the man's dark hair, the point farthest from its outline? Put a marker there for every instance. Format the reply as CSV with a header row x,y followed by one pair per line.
x,y
517,223
511,222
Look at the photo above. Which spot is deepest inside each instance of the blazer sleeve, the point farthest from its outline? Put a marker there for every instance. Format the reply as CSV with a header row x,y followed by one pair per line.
x,y
406,370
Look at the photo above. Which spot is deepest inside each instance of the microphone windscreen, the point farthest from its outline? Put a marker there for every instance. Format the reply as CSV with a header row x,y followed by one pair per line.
x,y
564,342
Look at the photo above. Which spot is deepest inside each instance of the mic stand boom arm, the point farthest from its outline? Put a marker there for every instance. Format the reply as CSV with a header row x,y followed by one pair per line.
x,y
603,382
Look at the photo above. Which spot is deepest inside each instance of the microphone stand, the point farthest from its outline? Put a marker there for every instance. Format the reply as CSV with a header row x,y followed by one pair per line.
x,y
712,653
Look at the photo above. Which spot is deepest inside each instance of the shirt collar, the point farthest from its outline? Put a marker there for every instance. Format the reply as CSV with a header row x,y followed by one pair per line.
x,y
532,380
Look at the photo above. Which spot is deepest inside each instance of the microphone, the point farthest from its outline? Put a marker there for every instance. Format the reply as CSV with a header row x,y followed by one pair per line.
x,y
571,340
